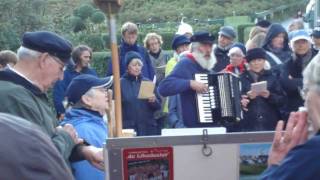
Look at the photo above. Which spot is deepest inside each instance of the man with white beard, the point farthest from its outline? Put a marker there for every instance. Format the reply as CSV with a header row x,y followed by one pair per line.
x,y
181,81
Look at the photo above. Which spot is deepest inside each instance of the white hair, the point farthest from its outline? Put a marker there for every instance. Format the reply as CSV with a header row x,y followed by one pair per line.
x,y
26,53
199,57
311,74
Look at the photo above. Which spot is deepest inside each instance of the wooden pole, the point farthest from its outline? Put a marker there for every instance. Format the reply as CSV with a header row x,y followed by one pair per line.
x,y
110,8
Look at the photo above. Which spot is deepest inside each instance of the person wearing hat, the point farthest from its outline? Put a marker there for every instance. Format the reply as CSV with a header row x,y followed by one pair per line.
x,y
81,56
261,108
42,57
265,24
129,32
291,74
316,38
180,44
138,114
237,59
181,81
185,29
226,38
294,153
276,44
88,97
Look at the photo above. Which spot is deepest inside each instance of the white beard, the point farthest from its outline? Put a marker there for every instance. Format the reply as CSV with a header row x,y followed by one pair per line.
x,y
203,62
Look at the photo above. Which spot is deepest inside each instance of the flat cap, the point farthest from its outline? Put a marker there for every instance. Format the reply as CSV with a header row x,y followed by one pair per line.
x,y
202,37
228,31
179,40
45,41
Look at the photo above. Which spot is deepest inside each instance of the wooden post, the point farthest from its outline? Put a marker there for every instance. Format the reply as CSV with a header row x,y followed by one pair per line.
x,y
110,8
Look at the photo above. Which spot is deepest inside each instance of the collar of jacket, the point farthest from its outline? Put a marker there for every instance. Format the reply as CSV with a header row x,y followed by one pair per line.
x,y
132,78
8,75
127,47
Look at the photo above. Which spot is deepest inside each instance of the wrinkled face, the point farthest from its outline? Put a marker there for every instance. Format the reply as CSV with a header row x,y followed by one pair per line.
x,y
154,45
205,49
236,57
277,41
224,41
85,59
257,65
130,38
301,46
182,48
52,70
134,67
100,99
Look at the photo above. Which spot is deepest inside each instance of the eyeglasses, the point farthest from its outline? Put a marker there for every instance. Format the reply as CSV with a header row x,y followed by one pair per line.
x,y
57,60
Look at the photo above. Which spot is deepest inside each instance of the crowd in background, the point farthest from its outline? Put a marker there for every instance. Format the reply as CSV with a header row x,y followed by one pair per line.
x,y
272,54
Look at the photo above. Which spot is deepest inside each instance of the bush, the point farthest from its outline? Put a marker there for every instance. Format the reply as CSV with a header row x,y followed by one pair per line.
x,y
100,62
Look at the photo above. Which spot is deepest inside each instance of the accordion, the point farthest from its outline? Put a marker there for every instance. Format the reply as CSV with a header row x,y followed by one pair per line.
x,y
221,104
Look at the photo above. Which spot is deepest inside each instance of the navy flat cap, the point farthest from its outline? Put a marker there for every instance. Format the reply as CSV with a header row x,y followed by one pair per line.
x,y
45,41
179,40
83,83
256,53
228,31
202,37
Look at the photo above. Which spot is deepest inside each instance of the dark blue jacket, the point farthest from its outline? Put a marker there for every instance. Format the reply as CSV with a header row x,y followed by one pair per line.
x,y
302,162
263,113
178,82
175,112
61,86
294,67
91,127
147,69
137,114
222,59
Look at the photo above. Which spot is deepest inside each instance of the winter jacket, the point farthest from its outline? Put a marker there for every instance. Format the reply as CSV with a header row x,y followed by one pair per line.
x,y
21,98
222,58
147,69
178,82
302,162
137,114
61,86
91,127
263,113
293,85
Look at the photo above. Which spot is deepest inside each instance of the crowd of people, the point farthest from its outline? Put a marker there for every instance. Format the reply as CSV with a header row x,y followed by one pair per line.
x,y
78,127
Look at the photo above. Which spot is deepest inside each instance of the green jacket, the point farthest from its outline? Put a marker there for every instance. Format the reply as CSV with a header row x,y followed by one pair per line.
x,y
33,106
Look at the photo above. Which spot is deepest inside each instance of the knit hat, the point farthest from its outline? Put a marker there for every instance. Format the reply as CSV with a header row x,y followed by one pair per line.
x,y
130,56
236,46
256,53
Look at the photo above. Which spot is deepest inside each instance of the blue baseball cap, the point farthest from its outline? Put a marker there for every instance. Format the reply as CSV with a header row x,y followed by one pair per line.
x,y
179,40
83,83
45,41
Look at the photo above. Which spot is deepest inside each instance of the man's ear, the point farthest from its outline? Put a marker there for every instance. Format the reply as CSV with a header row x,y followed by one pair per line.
x,y
86,100
43,60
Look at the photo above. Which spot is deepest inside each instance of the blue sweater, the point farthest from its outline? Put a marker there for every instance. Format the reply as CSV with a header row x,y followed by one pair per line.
x,y
90,127
178,82
302,162
61,86
147,69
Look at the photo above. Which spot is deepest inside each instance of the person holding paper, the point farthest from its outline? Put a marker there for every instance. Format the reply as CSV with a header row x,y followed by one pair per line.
x,y
260,101
138,103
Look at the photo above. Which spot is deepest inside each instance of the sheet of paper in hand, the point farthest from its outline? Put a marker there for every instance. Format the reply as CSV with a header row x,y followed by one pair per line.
x,y
146,90
259,86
